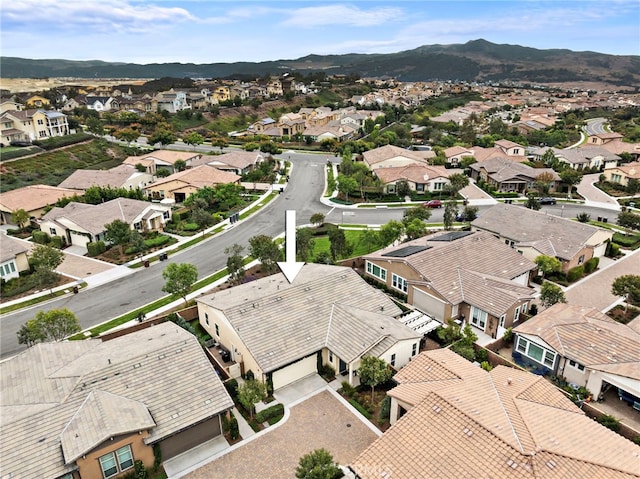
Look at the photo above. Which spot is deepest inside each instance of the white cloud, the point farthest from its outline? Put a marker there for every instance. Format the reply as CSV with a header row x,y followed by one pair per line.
x,y
340,15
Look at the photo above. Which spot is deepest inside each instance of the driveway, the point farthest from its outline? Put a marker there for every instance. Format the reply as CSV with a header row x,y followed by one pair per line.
x,y
595,290
594,196
321,421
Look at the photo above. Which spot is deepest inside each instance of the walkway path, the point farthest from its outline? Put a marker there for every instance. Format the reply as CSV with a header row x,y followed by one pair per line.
x,y
595,290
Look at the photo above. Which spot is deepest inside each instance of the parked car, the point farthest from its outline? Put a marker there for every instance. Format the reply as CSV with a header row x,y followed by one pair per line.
x,y
548,200
433,204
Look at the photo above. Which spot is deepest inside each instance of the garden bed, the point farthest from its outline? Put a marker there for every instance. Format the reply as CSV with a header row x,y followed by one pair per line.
x,y
619,314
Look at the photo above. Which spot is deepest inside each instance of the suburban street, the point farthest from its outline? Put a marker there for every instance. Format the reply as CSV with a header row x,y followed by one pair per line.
x,y
96,305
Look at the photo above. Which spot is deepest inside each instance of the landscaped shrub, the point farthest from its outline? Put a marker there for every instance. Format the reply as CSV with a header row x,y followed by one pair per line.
x,y
225,424
327,372
190,226
610,422
234,430
277,410
360,408
59,141
40,237
157,241
575,274
465,350
56,242
481,355
613,250
385,410
96,248
591,265
626,240
347,389
232,387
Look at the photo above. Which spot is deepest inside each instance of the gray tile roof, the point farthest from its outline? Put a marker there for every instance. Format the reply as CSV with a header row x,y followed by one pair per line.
x,y
548,233
326,306
10,247
42,388
114,177
505,169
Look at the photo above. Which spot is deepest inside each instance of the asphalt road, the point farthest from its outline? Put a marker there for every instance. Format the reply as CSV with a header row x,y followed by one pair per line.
x,y
96,305
595,126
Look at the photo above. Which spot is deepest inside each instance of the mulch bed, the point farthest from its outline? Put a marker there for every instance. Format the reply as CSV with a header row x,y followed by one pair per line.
x,y
619,314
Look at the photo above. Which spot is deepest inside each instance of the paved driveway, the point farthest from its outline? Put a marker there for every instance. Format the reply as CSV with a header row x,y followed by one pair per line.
x,y
595,290
594,196
318,422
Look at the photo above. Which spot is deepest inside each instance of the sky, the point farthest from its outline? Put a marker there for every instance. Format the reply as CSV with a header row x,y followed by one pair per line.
x,y
212,31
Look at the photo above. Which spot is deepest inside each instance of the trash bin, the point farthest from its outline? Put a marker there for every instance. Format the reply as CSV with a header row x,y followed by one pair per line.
x,y
75,290
632,204
599,218
146,263
604,220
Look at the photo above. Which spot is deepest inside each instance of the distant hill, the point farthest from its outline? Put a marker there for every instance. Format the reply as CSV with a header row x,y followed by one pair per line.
x,y
477,60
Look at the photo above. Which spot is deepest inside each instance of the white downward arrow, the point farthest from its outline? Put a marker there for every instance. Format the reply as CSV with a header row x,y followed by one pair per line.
x,y
290,267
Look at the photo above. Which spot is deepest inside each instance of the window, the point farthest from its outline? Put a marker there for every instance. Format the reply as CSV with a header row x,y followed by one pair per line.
x,y
414,349
206,318
478,317
398,282
330,357
217,330
523,308
116,462
166,215
40,121
138,225
535,352
52,231
576,365
581,259
502,318
377,271
516,314
393,359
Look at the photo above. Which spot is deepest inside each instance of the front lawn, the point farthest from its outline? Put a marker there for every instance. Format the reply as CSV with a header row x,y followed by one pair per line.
x,y
322,244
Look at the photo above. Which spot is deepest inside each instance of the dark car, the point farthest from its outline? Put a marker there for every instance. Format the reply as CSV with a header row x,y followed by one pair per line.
x,y
433,204
547,201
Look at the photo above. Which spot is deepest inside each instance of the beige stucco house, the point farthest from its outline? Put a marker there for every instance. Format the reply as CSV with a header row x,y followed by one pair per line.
x,y
13,257
180,185
34,199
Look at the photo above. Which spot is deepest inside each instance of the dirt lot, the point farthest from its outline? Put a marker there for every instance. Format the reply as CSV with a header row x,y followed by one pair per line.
x,y
38,84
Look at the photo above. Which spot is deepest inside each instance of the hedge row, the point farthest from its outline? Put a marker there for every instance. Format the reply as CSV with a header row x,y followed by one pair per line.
x,y
360,408
97,248
60,141
157,241
275,411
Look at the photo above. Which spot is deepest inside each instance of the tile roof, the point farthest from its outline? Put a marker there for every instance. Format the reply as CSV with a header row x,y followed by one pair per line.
x,y
11,247
45,389
505,423
386,152
467,268
33,197
281,322
199,177
547,233
502,169
415,173
163,156
631,170
587,336
236,159
114,177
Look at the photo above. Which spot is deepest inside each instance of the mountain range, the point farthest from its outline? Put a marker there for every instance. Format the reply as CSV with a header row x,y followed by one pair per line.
x,y
477,60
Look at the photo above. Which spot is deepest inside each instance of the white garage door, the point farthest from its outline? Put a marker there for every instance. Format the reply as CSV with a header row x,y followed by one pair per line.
x,y
295,371
428,304
79,240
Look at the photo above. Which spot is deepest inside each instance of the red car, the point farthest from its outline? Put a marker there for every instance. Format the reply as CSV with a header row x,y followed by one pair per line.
x,y
433,204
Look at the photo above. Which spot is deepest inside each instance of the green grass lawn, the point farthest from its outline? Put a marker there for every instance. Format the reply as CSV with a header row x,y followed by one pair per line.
x,y
353,236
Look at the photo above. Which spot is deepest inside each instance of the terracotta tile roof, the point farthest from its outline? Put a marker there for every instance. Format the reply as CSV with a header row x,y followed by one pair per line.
x,y
503,168
506,423
415,173
386,152
236,159
547,233
631,170
47,385
163,156
34,197
281,322
587,336
198,177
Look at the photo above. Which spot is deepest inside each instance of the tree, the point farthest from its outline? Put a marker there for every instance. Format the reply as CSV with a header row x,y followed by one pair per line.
x,y
457,181
532,203
318,464
202,217
629,220
570,177
179,278
94,125
118,233
43,260
548,264
391,232
420,212
551,294
347,185
402,188
317,219
52,325
136,241
127,134
449,333
543,182
304,243
219,142
194,138
370,240
235,263
20,217
416,228
250,392
163,134
339,246
583,217
265,249
450,213
180,165
469,213
373,371
628,286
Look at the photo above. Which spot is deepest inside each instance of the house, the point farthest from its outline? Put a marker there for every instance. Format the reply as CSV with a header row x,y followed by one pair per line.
x,y
172,101
283,331
456,154
101,103
330,131
458,274
238,162
420,177
34,199
614,143
534,233
623,174
584,157
121,176
458,420
394,156
13,257
505,175
89,409
584,346
180,185
81,223
37,101
30,125
162,159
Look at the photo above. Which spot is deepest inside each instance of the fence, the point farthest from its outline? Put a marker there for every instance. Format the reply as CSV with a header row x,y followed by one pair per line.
x,y
188,314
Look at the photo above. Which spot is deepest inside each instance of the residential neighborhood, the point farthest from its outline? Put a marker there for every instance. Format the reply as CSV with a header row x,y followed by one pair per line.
x,y
165,316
